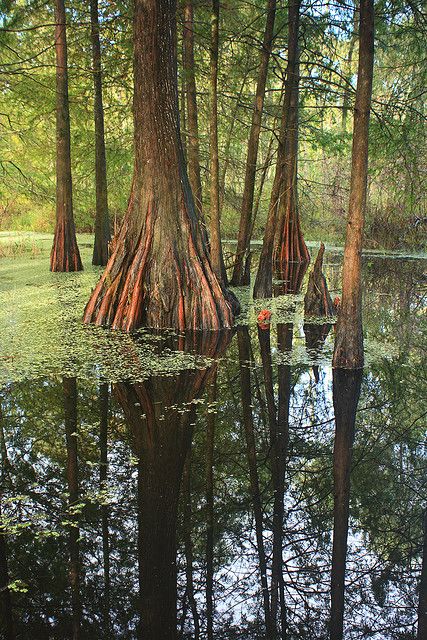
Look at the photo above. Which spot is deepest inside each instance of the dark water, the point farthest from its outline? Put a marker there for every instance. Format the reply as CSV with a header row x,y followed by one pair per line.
x,y
150,492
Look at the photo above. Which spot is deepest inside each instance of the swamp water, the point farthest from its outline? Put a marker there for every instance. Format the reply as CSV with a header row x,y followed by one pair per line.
x,y
164,486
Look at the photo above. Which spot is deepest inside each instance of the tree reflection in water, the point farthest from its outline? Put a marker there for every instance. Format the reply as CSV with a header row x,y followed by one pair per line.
x,y
214,505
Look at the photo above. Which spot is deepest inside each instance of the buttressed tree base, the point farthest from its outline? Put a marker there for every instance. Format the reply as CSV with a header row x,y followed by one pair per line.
x,y
159,274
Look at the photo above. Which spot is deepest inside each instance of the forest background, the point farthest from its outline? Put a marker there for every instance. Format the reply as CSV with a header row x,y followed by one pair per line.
x,y
397,204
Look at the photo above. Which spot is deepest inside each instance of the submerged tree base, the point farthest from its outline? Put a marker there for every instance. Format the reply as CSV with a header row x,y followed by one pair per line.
x,y
317,300
160,275
65,255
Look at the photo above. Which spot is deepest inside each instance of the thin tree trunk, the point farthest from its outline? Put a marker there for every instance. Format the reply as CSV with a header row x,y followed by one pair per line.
x,y
245,386
217,259
102,221
253,144
422,601
188,545
263,287
70,419
210,521
7,626
229,138
65,254
193,151
346,391
353,40
289,241
348,351
159,273
103,473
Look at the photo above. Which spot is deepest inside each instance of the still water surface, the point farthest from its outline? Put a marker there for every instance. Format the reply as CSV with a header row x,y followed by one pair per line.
x,y
164,486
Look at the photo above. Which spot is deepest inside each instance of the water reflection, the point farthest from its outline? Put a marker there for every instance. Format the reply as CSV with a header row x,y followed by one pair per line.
x,y
229,499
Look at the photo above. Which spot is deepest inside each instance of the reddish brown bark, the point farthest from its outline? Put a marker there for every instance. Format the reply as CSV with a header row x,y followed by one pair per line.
x,y
245,226
65,254
102,222
289,243
193,151
159,273
348,351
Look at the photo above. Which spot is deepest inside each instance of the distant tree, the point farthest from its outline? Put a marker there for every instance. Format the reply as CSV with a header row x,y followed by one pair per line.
x,y
193,151
102,222
159,273
217,258
348,350
245,226
65,254
289,245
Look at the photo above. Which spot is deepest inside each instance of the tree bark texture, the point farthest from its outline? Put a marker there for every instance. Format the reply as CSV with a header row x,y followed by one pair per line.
x,y
348,351
245,226
193,151
346,392
102,221
159,273
217,258
65,254
289,241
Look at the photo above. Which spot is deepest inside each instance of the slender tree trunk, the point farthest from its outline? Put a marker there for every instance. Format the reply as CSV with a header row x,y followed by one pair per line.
x,y
422,601
289,241
103,474
70,416
229,138
102,221
65,254
243,237
263,287
7,626
217,259
353,40
188,545
348,351
193,151
210,521
346,391
159,273
245,385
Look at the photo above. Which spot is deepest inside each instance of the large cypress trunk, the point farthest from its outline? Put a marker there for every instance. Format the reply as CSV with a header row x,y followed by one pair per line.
x,y
193,151
102,222
289,243
245,227
348,351
65,254
159,273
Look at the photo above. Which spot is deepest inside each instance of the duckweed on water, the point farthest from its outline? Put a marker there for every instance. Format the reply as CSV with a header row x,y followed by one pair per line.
x,y
42,334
